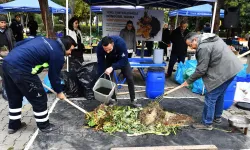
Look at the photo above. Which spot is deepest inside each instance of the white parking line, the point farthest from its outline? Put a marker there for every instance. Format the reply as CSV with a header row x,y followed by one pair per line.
x,y
32,139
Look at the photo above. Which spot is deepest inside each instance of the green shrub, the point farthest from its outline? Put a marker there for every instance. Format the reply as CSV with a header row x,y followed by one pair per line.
x,y
59,27
84,29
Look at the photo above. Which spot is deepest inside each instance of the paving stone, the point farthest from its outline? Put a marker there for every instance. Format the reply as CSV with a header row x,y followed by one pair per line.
x,y
5,112
27,108
26,119
5,146
5,128
19,144
3,105
24,136
3,123
10,140
30,128
29,113
2,137
33,123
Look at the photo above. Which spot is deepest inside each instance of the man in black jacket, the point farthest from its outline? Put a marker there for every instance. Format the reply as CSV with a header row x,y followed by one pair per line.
x,y
6,36
179,49
32,26
17,28
165,41
112,54
7,42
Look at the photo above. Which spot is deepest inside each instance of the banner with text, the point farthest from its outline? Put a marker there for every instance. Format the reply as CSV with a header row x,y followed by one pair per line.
x,y
114,20
148,23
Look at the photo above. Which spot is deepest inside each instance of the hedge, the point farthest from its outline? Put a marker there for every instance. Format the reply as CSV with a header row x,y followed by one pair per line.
x,y
60,28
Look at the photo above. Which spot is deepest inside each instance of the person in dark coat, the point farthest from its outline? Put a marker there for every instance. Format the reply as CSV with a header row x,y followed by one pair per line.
x,y
112,54
165,42
248,43
32,24
6,35
179,49
17,28
7,42
21,67
207,28
150,47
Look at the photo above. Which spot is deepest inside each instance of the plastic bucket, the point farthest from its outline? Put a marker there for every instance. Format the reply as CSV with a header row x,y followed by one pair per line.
x,y
101,82
158,56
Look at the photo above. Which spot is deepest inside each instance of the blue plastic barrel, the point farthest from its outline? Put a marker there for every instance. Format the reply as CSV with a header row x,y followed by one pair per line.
x,y
248,78
229,94
155,82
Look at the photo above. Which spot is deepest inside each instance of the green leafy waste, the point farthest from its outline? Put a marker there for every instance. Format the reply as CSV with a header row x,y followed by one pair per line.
x,y
113,119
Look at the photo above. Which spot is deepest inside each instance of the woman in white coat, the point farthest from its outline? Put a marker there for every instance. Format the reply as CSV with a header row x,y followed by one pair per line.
x,y
75,32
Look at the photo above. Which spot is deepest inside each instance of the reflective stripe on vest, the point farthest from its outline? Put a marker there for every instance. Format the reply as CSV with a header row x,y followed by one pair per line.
x,y
37,67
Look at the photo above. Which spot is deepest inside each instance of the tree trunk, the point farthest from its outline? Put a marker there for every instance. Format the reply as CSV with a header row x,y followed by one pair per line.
x,y
72,7
47,18
217,16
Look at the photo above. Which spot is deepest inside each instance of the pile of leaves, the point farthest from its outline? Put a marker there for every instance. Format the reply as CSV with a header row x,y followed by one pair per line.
x,y
136,121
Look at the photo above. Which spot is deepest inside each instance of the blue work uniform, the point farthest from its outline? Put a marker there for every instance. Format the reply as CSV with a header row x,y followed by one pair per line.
x,y
21,79
118,59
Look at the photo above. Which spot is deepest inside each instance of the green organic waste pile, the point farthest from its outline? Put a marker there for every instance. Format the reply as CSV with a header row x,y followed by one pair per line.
x,y
136,121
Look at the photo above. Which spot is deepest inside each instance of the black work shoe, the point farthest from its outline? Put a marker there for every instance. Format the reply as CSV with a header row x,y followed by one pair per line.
x,y
168,75
12,131
217,120
49,128
199,126
134,104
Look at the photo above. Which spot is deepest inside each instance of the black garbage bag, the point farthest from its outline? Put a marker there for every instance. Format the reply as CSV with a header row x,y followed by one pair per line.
x,y
74,64
71,84
87,75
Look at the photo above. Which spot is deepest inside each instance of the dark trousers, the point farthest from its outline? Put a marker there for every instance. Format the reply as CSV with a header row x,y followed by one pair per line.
x,y
173,59
127,73
164,47
150,45
130,55
19,84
